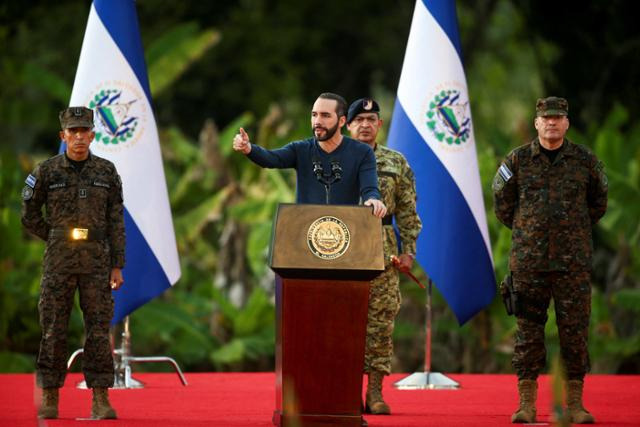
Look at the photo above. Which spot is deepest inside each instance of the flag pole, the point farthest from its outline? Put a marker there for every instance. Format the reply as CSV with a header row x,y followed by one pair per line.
x,y
427,380
123,360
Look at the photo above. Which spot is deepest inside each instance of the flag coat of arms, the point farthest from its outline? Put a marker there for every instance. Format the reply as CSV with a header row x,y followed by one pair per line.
x,y
112,80
432,126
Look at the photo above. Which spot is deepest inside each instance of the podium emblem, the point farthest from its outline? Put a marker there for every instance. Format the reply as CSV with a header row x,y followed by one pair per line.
x,y
328,237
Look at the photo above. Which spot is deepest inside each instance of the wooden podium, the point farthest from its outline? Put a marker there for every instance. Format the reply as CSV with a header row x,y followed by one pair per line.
x,y
324,257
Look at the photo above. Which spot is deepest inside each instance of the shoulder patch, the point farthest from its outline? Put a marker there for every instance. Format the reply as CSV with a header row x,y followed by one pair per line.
x,y
505,172
31,181
27,193
498,183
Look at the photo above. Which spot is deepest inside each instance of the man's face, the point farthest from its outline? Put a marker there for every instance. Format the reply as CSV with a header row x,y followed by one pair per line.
x,y
365,127
324,120
78,140
552,128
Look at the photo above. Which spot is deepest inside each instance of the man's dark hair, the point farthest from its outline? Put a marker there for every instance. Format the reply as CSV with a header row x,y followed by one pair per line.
x,y
341,107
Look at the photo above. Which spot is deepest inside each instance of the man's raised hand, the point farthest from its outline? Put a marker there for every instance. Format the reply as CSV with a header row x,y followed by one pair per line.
x,y
241,142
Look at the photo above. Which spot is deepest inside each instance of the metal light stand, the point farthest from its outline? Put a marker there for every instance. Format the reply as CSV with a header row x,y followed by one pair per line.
x,y
427,379
123,361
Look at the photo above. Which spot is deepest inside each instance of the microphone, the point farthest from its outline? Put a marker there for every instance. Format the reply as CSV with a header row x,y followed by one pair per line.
x,y
336,170
317,169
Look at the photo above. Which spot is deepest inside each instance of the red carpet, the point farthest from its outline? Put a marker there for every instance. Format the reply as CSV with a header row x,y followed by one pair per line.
x,y
247,399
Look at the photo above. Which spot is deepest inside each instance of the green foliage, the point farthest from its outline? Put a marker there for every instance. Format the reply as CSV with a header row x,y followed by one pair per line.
x,y
622,161
629,299
252,328
16,362
174,327
47,81
171,55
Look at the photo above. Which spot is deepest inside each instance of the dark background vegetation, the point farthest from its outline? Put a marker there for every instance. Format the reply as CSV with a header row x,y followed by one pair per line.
x,y
216,65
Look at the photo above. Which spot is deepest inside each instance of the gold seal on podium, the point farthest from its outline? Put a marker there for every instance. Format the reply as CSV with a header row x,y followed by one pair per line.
x,y
328,237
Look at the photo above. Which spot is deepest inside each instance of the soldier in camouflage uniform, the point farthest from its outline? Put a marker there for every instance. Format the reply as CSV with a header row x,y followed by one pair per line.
x,y
397,188
83,227
550,193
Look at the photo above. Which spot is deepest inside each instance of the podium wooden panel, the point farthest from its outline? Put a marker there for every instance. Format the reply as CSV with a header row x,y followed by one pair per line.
x,y
321,315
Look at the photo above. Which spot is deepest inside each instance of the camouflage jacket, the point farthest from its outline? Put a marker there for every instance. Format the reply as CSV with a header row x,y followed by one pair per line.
x,y
398,190
551,207
90,199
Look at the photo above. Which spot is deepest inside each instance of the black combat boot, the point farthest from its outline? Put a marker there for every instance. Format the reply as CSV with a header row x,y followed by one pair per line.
x,y
577,413
526,413
374,403
101,408
49,406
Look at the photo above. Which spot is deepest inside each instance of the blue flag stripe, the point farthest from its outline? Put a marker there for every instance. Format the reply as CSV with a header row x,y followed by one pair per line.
x,y
450,248
444,12
141,284
122,25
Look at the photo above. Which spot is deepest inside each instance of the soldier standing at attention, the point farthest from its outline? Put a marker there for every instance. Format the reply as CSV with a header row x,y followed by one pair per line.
x,y
398,190
83,227
551,192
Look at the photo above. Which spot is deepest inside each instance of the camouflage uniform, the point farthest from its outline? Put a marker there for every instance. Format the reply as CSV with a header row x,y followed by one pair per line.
x,y
397,187
551,208
91,199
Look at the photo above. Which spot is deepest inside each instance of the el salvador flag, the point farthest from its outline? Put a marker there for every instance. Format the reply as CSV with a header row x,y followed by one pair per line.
x,y
112,80
432,126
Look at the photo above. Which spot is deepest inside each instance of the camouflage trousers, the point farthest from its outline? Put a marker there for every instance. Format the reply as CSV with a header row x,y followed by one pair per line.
x,y
56,301
384,304
571,293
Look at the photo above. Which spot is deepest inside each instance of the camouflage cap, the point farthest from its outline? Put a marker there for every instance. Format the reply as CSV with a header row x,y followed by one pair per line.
x,y
362,105
76,117
552,106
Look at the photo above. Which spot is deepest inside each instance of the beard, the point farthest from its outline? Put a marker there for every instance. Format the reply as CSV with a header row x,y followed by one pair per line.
x,y
328,133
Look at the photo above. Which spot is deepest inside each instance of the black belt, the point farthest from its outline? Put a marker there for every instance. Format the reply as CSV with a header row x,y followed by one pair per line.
x,y
78,233
387,220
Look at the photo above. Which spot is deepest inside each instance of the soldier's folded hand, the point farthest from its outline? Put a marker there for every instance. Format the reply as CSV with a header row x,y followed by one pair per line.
x,y
402,262
115,279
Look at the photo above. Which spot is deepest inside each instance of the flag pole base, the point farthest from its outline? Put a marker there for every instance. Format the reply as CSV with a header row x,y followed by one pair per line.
x,y
123,378
426,381
123,360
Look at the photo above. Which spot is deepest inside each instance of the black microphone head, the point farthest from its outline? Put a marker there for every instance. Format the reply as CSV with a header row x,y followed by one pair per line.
x,y
318,171
336,170
317,166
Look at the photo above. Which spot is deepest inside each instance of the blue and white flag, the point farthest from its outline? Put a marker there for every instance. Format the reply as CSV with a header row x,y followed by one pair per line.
x,y
432,126
112,80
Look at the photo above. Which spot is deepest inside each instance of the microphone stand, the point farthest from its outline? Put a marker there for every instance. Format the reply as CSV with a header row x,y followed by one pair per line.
x,y
327,180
